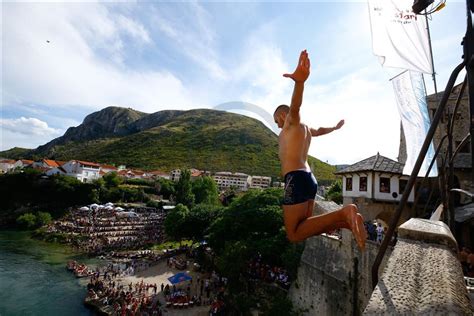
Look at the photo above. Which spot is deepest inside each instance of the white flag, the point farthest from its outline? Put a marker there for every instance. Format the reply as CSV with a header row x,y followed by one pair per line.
x,y
411,101
399,36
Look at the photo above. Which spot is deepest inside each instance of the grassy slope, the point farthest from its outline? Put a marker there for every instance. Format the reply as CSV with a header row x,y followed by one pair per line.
x,y
203,139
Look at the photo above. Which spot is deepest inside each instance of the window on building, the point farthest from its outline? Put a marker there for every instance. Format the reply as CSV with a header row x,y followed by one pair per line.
x,y
363,184
384,185
348,184
402,185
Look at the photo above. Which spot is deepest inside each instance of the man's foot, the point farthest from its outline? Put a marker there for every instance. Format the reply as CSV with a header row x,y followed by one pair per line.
x,y
356,222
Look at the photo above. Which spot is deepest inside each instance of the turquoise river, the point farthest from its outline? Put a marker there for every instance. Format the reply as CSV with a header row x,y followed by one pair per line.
x,y
34,279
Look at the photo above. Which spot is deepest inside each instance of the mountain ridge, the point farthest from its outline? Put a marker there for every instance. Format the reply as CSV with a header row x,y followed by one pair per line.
x,y
200,138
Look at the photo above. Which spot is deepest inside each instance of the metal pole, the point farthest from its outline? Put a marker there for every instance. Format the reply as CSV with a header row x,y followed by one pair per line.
x,y
433,74
414,174
468,43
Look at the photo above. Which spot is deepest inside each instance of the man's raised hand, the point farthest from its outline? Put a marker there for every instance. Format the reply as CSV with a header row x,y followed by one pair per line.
x,y
339,125
301,72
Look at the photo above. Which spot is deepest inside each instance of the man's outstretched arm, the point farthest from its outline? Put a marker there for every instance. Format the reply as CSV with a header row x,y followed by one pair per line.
x,y
299,76
326,130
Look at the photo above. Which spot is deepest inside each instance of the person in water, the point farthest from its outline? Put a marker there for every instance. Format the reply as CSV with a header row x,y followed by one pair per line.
x,y
300,184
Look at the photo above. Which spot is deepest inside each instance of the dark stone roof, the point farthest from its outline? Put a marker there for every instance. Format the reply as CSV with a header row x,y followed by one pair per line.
x,y
453,95
375,163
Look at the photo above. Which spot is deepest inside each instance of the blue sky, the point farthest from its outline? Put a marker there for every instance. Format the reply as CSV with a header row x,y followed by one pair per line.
x,y
185,55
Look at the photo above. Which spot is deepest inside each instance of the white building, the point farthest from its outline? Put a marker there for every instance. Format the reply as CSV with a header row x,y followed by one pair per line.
x,y
260,182
158,174
175,175
224,180
6,165
375,184
108,168
377,177
22,163
82,170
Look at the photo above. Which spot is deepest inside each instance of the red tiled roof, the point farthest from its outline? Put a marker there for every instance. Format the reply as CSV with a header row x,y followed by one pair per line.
x,y
87,163
51,163
26,161
159,173
108,167
10,161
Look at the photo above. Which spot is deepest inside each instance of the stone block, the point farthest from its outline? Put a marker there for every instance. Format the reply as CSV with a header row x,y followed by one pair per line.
x,y
433,232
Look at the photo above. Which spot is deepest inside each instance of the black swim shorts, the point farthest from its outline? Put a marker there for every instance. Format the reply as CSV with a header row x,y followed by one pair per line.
x,y
300,186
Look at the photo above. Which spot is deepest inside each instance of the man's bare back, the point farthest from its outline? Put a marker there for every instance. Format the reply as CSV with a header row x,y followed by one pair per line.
x,y
300,183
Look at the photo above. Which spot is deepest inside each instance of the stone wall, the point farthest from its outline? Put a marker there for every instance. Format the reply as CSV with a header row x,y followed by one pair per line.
x,y
423,275
334,277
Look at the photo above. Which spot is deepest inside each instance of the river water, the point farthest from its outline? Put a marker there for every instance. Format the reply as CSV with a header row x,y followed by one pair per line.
x,y
34,280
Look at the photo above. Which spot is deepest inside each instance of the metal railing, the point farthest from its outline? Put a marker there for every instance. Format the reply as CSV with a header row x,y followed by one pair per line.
x,y
414,174
468,63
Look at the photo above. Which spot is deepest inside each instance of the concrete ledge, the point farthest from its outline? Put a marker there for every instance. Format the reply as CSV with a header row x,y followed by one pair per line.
x,y
423,275
433,232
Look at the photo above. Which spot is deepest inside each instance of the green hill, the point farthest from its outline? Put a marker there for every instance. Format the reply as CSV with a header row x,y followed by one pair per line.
x,y
203,139
15,152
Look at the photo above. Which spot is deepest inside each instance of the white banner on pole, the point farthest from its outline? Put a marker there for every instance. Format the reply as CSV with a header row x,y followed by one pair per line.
x,y
399,36
410,95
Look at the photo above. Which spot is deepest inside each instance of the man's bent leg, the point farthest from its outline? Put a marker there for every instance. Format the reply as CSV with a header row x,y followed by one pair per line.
x,y
299,228
293,215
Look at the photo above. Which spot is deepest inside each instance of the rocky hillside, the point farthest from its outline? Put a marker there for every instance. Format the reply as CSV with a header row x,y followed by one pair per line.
x,y
204,139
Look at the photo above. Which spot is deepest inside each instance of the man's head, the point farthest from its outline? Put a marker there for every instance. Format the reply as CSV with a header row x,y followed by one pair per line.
x,y
280,114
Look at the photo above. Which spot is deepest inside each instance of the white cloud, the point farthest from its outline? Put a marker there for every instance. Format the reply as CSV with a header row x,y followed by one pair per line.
x,y
28,126
69,70
365,101
261,67
192,35
135,29
25,132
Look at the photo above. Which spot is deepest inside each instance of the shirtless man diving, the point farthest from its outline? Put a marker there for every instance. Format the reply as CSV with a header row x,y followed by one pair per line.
x,y
300,184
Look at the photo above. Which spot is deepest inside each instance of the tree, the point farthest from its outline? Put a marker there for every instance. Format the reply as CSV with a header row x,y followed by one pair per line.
x,y
184,194
233,260
112,179
165,187
27,220
175,222
205,191
256,217
198,221
43,218
334,192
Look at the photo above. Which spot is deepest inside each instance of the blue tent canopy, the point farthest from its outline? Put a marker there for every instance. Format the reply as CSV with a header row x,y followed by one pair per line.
x,y
179,277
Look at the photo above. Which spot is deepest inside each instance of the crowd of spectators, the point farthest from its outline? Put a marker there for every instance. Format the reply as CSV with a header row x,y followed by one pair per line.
x,y
132,299
375,231
103,228
257,270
